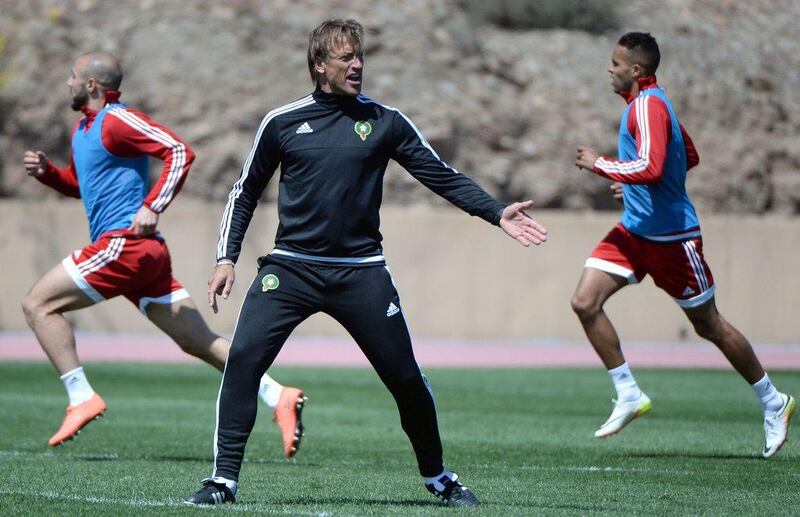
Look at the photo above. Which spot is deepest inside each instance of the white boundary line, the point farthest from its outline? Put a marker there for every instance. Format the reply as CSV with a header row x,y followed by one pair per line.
x,y
168,503
490,466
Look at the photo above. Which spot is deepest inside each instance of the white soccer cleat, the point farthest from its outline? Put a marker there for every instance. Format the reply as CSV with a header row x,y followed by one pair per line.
x,y
624,412
776,427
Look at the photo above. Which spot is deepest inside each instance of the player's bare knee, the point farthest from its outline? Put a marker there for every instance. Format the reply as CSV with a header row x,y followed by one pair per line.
x,y
709,329
32,308
585,307
185,344
198,343
192,344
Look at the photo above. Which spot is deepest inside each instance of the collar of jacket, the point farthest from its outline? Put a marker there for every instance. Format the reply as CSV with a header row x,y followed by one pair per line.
x,y
111,97
645,83
333,101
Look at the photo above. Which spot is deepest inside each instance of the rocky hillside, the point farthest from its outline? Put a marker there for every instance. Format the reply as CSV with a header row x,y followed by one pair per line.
x,y
506,107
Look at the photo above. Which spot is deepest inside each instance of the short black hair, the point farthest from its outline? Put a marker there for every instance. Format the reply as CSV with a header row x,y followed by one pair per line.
x,y
644,47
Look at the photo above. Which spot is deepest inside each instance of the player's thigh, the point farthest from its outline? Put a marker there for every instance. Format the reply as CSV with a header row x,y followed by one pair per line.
x,y
108,267
680,269
614,263
595,286
56,291
180,320
705,318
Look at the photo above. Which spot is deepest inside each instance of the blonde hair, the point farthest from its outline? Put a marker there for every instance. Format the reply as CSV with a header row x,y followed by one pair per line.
x,y
331,34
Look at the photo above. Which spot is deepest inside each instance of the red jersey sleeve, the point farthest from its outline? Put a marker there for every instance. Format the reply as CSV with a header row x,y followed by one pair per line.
x,y
130,133
64,180
650,125
61,179
692,157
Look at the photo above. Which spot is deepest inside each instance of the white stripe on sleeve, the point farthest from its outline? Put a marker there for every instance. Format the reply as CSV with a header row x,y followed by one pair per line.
x,y
225,223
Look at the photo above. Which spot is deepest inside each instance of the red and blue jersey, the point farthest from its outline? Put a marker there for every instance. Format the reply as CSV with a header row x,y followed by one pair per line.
x,y
655,152
109,166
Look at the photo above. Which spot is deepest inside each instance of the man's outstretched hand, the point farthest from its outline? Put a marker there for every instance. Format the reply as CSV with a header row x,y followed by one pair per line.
x,y
520,226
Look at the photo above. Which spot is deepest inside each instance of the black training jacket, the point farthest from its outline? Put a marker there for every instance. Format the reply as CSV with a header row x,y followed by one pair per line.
x,y
333,152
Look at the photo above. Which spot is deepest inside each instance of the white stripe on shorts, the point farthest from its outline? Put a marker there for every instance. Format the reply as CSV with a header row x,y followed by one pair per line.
x,y
697,265
610,267
88,290
102,257
168,299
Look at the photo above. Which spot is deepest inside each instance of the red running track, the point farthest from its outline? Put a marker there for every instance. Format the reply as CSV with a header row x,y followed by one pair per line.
x,y
320,351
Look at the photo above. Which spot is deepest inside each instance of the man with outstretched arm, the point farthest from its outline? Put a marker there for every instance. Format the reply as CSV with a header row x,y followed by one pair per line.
x,y
333,147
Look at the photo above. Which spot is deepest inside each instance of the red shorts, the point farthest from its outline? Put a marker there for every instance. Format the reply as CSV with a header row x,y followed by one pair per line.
x,y
119,263
678,267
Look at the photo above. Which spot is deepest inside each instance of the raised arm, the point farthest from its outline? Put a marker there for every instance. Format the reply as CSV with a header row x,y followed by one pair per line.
x,y
413,152
130,133
64,180
649,123
61,179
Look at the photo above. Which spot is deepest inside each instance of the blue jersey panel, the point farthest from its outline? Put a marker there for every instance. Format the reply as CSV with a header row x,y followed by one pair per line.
x,y
665,207
112,188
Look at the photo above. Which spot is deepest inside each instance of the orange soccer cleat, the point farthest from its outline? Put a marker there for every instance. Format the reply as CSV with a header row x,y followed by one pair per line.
x,y
288,415
77,417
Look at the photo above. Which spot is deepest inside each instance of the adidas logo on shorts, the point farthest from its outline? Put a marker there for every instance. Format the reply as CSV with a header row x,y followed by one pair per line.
x,y
392,310
688,291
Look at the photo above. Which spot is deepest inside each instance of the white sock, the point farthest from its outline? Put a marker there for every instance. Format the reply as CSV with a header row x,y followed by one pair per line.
x,y
78,388
625,384
270,391
232,485
768,395
435,479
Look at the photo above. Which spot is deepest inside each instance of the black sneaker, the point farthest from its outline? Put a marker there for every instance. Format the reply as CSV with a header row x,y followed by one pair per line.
x,y
211,493
452,493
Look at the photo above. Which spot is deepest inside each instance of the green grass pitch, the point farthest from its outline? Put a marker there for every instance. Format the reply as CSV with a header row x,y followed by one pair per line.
x,y
520,438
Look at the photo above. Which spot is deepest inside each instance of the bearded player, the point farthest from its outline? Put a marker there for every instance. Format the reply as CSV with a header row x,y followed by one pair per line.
x,y
108,171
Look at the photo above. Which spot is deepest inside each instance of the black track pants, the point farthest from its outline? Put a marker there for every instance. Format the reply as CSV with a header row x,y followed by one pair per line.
x,y
365,302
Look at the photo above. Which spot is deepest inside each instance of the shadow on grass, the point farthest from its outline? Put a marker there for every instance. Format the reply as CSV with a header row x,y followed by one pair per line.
x,y
323,501
186,459
581,509
98,457
689,454
432,503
